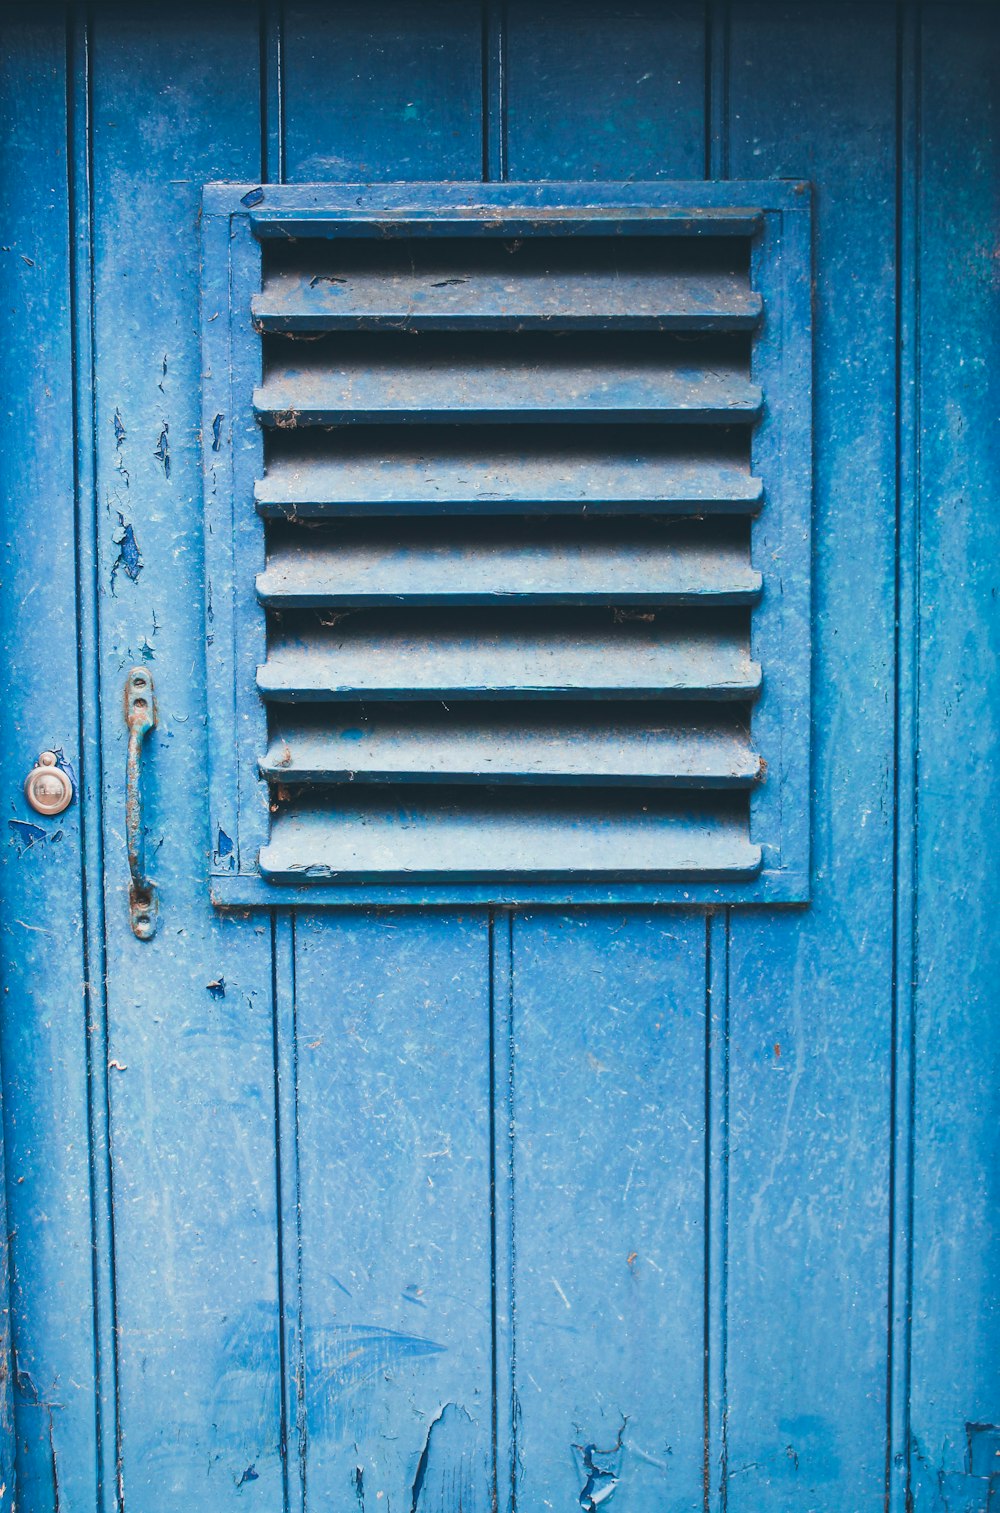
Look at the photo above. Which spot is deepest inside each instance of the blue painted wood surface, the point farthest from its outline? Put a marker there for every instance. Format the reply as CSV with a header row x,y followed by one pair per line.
x,y
644,474
481,656
811,1059
459,744
537,565
371,1170
52,1051
499,289
505,383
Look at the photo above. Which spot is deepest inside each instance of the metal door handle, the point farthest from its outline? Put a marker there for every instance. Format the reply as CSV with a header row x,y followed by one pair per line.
x,y
140,717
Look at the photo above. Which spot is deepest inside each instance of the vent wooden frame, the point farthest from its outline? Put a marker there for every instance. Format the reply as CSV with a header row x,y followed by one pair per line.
x,y
639,390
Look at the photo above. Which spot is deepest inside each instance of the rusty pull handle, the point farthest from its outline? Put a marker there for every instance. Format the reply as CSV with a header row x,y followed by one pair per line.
x,y
140,717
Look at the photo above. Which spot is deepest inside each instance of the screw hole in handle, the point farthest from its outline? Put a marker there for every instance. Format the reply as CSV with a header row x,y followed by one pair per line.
x,y
140,717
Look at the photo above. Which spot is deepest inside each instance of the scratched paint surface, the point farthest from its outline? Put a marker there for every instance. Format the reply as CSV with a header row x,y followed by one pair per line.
x,y
413,1210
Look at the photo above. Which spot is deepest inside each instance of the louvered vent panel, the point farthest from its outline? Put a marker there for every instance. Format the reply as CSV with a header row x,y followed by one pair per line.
x,y
508,482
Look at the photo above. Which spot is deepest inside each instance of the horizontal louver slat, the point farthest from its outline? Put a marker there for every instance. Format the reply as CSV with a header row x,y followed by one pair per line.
x,y
418,837
507,746
473,220
484,660
445,299
448,479
464,566
505,382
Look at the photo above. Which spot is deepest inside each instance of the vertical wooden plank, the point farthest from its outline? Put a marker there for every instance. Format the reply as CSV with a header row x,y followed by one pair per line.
x,y
384,91
502,1233
606,91
392,1013
8,1447
175,102
898,1492
956,1279
609,1208
44,1010
812,95
286,1076
716,1467
392,1016
608,1013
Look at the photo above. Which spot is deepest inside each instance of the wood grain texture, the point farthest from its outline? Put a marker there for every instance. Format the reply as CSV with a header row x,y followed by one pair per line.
x,y
387,93
956,1156
416,836
50,1224
812,91
531,564
565,286
393,1057
191,1075
486,658
503,381
582,746
608,1116
483,474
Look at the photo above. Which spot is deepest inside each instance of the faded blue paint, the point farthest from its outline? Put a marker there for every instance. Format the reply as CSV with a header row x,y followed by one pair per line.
x,y
612,1207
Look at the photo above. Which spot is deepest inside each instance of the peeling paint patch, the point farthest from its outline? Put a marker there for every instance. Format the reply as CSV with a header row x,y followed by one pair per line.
x,y
601,1470
250,1474
224,848
129,559
120,434
25,834
445,1474
162,451
217,988
217,433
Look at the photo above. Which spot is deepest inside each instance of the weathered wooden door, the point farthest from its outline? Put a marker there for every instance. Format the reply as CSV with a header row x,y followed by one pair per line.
x,y
484,1198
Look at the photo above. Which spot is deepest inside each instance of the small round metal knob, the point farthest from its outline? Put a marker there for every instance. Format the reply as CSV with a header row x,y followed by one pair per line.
x,y
47,788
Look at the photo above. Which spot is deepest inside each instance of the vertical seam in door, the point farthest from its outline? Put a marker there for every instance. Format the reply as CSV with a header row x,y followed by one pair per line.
x,y
706,1312
502,1237
494,1331
898,1496
494,73
79,169
717,940
272,91
284,1011
291,1354
717,32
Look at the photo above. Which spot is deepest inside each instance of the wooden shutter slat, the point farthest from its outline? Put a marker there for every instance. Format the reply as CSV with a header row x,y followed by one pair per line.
x,y
461,566
483,220
497,659
505,747
421,837
505,382
446,478
454,299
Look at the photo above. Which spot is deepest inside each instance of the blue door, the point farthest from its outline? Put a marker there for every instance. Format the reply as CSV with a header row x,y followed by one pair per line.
x,y
500,587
